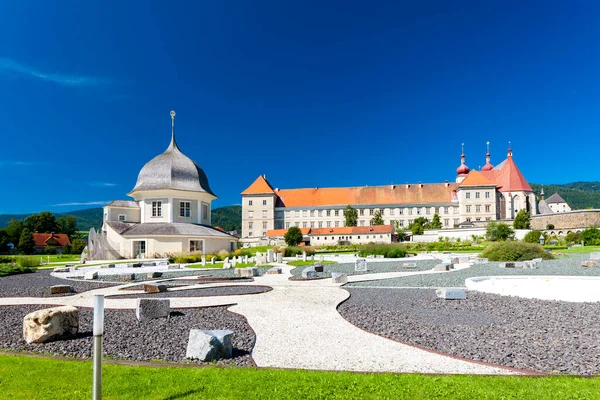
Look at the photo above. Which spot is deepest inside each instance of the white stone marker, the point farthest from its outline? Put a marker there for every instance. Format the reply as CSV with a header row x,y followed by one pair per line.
x,y
203,260
279,258
303,256
270,257
360,265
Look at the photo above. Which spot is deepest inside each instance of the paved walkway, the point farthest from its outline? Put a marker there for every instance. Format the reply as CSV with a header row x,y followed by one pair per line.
x,y
297,326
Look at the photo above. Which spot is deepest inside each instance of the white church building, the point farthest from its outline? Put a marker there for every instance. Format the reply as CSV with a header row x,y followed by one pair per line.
x,y
170,213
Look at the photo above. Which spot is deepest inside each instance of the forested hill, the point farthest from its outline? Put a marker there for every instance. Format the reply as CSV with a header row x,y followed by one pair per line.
x,y
91,217
229,218
579,195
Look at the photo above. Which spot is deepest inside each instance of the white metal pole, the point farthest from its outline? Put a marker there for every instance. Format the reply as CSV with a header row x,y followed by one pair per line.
x,y
98,333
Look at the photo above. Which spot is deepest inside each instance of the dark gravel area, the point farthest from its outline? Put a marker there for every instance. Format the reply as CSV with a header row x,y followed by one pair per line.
x,y
565,266
544,336
38,284
204,292
126,338
374,267
175,273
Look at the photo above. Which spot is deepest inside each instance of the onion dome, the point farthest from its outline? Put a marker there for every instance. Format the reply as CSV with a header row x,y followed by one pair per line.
x,y
172,170
463,169
488,165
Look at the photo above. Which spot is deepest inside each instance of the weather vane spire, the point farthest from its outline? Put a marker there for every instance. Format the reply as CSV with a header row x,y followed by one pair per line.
x,y
172,113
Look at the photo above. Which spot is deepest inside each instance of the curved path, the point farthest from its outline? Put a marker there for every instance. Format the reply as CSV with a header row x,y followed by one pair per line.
x,y
297,326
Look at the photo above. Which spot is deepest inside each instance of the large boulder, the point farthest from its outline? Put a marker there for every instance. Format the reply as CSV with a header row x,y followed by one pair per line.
x,y
209,345
273,271
50,324
152,309
309,273
338,277
61,289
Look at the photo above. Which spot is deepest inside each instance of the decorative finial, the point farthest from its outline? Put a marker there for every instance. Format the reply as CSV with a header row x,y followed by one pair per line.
x,y
488,146
173,142
172,114
509,149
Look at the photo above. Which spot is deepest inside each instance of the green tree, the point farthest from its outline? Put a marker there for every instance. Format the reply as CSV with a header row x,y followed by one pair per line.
x,y
26,242
13,231
400,231
498,231
3,241
534,237
573,237
377,218
521,220
590,236
435,223
67,225
418,226
351,215
293,236
77,246
44,222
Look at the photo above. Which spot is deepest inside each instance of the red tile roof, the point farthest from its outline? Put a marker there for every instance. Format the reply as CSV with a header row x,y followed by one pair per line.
x,y
259,186
507,176
50,239
281,232
476,178
368,195
352,230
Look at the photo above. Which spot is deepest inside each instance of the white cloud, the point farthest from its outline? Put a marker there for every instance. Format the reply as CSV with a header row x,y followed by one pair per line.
x,y
9,66
102,184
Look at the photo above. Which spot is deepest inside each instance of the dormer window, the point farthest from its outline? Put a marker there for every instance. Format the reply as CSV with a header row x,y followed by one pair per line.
x,y
157,208
122,217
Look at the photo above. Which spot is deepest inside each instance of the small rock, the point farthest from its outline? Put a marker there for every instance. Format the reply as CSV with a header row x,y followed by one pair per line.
x,y
127,277
338,277
154,288
209,345
61,270
589,263
273,271
136,265
91,275
152,275
451,293
309,273
174,266
60,289
50,324
249,272
152,309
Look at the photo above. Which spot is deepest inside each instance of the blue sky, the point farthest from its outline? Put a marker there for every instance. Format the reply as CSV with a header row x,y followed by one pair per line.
x,y
309,93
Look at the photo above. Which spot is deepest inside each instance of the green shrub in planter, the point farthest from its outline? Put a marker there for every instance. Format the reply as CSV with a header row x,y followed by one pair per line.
x,y
515,251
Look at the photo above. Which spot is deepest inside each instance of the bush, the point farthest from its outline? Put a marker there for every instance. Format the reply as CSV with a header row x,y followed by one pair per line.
x,y
49,250
187,258
590,237
28,262
573,237
7,260
391,250
515,251
534,237
293,251
12,269
498,231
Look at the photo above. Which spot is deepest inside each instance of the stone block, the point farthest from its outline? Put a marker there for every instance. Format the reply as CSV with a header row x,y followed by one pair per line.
x,y
303,256
154,288
309,273
451,293
209,345
162,263
455,260
380,256
507,265
61,269
595,256
237,271
61,289
318,267
442,267
537,260
127,277
411,265
90,275
136,265
520,264
360,265
279,258
149,264
227,265
248,272
274,271
50,324
152,275
481,261
152,308
174,266
589,263
338,277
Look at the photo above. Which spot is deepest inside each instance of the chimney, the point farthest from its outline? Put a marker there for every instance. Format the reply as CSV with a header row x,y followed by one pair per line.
x,y
392,186
420,185
407,185
277,189
447,184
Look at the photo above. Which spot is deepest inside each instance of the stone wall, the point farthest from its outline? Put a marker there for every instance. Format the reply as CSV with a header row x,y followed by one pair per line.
x,y
579,219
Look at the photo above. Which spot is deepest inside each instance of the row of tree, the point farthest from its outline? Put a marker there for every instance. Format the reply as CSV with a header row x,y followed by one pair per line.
x,y
20,232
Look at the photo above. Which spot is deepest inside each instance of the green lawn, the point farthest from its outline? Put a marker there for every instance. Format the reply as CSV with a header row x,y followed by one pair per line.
x,y
300,263
579,250
43,378
55,258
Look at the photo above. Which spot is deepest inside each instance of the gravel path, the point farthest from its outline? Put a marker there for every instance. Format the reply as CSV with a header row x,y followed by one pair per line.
x,y
374,267
113,274
38,284
545,336
126,338
203,292
566,266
